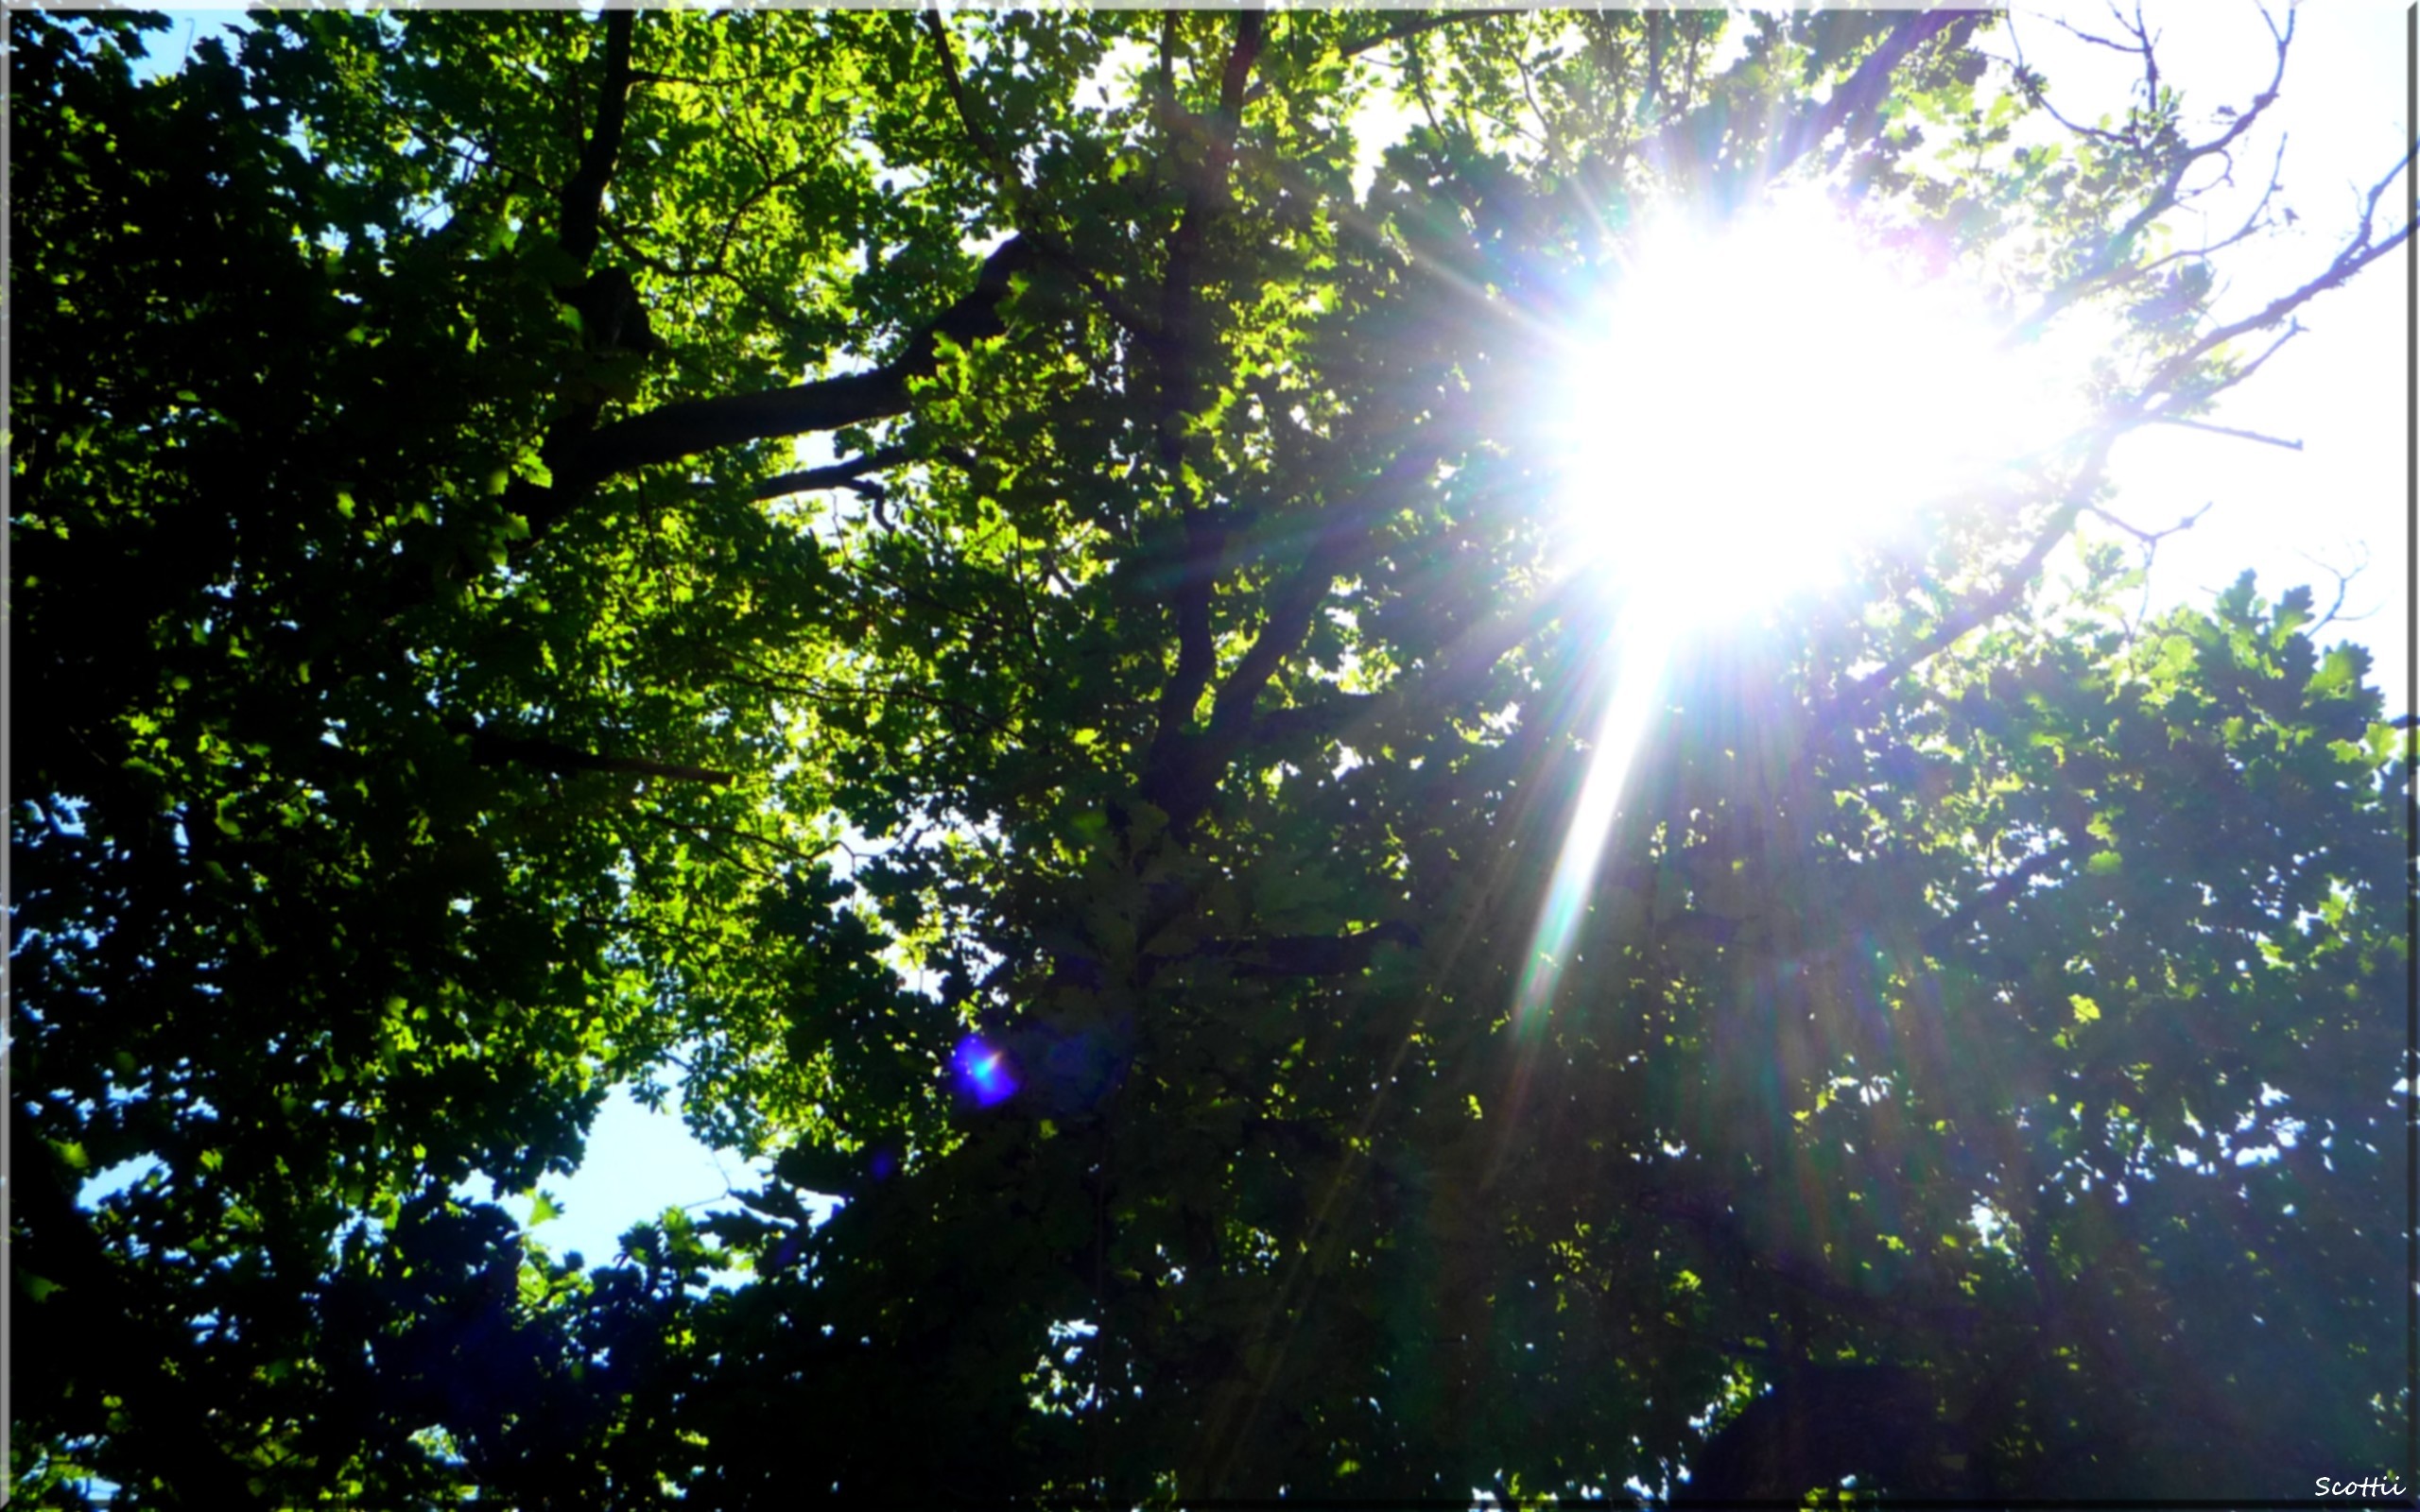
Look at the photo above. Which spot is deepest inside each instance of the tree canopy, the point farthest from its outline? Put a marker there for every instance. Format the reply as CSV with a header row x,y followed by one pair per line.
x,y
1090,809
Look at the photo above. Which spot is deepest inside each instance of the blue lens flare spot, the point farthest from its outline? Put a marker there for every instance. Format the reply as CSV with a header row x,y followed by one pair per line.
x,y
982,1072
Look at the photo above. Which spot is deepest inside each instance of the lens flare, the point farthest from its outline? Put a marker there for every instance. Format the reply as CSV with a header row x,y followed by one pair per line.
x,y
1644,641
1760,398
984,1073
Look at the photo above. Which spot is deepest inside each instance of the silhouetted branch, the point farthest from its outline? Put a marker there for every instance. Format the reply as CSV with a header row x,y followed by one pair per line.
x,y
1168,771
1329,716
1982,608
1864,90
2152,537
2343,585
838,474
687,428
2111,265
2226,430
493,747
2360,250
584,197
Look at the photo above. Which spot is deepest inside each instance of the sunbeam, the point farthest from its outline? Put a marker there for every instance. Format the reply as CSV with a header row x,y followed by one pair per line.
x,y
1643,639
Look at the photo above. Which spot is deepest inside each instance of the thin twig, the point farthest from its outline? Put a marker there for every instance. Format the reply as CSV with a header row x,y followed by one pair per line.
x,y
2151,538
2225,430
2343,585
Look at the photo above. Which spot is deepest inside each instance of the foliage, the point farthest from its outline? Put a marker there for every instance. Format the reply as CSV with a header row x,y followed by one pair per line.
x,y
454,698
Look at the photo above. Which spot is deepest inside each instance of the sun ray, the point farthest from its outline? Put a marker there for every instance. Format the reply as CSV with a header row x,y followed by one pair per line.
x,y
1643,639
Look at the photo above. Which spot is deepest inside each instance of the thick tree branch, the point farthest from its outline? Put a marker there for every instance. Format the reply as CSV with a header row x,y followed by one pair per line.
x,y
1184,767
1715,1218
1003,170
1332,716
584,197
609,308
1454,677
1463,665
691,426
1196,659
1293,606
1014,192
1204,536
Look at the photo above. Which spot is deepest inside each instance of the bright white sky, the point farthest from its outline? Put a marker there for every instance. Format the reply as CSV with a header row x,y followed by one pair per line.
x,y
2339,389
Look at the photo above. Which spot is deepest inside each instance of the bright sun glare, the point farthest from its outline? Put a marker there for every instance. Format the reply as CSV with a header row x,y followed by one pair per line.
x,y
1758,400
1762,397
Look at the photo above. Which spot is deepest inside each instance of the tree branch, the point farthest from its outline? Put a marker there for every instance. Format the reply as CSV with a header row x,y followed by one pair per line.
x,y
2002,891
2110,264
493,747
1400,31
2225,430
838,474
2152,537
691,426
1289,621
584,197
1291,608
579,217
1329,716
2358,252
1983,608
1013,189
1468,660
1166,772
1861,95
1002,169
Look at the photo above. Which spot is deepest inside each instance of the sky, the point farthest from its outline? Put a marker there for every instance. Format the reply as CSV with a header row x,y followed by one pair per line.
x,y
2341,388
2339,503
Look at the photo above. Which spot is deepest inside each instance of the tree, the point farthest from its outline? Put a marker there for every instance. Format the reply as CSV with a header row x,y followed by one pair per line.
x,y
1094,822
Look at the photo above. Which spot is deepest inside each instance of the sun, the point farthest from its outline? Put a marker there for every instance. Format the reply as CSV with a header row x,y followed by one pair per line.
x,y
1756,400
